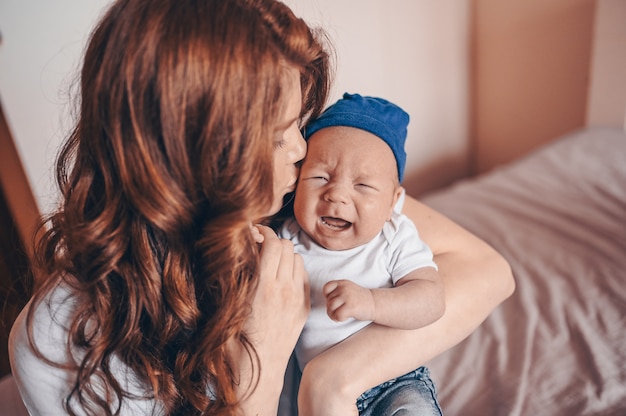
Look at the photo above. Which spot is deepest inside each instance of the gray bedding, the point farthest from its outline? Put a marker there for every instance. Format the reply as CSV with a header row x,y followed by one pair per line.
x,y
558,345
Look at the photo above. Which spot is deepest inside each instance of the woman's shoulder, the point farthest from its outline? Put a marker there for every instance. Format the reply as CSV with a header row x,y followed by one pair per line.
x,y
50,317
42,363
40,383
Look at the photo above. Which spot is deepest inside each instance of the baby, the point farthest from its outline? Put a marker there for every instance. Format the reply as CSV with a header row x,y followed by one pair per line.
x,y
365,260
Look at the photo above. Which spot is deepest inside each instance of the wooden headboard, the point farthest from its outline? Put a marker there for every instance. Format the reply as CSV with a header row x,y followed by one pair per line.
x,y
18,217
606,104
542,69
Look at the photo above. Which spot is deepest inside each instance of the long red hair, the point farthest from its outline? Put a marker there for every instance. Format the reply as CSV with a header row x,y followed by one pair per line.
x,y
166,167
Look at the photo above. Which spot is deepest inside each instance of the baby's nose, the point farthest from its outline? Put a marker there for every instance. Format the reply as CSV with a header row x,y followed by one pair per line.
x,y
337,193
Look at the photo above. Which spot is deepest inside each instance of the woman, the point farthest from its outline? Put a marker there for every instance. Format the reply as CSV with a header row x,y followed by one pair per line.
x,y
157,293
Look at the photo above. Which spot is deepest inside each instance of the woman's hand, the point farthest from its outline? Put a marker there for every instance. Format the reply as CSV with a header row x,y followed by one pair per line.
x,y
281,305
279,311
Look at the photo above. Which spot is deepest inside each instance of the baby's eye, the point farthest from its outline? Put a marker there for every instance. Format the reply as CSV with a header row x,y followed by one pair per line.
x,y
365,186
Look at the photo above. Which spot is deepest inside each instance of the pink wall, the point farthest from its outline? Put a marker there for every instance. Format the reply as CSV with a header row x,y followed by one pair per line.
x,y
494,78
416,54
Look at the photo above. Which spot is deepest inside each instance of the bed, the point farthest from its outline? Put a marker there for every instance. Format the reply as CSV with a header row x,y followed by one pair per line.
x,y
558,345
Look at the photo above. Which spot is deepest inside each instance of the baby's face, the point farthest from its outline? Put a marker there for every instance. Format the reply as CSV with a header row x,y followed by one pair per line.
x,y
347,188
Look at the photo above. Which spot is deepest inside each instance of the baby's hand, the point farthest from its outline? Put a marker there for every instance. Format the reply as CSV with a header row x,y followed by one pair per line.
x,y
346,299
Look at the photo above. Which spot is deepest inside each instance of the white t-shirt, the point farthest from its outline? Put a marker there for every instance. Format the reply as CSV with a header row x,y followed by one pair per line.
x,y
43,387
392,254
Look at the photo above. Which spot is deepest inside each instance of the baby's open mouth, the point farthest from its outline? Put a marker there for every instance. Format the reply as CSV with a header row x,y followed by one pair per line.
x,y
336,223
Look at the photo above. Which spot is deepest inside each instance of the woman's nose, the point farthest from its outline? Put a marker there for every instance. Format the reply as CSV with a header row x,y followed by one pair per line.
x,y
299,148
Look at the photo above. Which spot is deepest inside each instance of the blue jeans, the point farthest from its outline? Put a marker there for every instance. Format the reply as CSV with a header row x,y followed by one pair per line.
x,y
412,394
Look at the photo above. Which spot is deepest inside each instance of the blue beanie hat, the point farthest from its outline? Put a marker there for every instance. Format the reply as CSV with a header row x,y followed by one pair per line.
x,y
375,115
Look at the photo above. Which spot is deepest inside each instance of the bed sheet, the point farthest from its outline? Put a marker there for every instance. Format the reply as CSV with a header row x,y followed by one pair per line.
x,y
558,345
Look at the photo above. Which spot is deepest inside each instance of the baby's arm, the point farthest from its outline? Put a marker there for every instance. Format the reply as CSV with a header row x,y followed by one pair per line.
x,y
416,301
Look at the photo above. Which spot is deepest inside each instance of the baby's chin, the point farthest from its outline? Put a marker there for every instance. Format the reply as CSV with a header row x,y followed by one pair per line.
x,y
337,244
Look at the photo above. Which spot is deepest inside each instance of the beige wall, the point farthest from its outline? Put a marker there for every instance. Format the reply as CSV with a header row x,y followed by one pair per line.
x,y
412,52
530,74
42,42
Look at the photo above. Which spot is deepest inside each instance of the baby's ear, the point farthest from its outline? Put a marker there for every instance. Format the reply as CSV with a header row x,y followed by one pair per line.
x,y
397,193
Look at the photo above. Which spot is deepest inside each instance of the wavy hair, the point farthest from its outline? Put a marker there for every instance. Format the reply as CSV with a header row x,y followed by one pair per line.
x,y
167,165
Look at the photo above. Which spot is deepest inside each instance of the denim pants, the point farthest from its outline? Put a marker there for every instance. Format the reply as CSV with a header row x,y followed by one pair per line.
x,y
412,394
